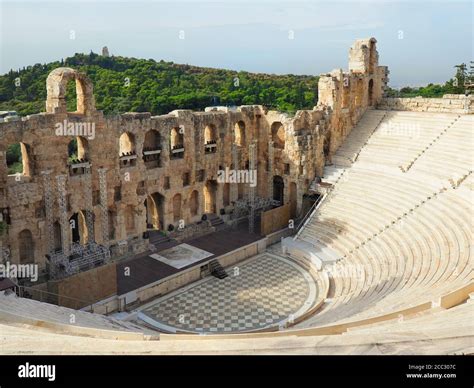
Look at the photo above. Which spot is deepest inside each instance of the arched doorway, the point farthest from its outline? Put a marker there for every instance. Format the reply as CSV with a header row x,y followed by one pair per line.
x,y
278,189
154,211
210,190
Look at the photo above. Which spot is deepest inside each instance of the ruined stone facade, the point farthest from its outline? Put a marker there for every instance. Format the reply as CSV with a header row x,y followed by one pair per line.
x,y
162,170
349,94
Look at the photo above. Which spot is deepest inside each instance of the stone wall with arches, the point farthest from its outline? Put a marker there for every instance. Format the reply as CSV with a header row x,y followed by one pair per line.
x,y
163,171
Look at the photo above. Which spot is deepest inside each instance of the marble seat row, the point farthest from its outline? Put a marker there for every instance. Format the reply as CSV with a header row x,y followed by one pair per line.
x,y
404,237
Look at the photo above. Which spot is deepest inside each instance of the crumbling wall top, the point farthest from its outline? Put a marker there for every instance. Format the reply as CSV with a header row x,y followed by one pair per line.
x,y
56,87
363,56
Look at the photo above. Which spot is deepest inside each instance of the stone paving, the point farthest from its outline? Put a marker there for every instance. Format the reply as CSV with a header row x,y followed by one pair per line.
x,y
263,292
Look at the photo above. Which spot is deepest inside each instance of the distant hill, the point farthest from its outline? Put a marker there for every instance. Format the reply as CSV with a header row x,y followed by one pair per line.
x,y
130,84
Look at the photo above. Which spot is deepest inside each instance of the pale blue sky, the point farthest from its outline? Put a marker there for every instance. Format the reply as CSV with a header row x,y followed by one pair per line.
x,y
245,35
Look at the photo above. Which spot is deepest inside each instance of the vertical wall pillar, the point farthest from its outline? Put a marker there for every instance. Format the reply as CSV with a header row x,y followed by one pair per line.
x,y
270,169
252,166
89,206
234,187
62,204
103,205
49,204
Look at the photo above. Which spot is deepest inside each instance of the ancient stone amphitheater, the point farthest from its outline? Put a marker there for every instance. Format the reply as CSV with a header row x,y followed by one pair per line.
x,y
389,244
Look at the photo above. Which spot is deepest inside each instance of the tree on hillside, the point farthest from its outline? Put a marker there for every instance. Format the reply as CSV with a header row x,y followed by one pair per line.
x,y
456,85
459,84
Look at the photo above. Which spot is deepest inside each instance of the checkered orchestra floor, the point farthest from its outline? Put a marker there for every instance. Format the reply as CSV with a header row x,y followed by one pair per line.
x,y
263,292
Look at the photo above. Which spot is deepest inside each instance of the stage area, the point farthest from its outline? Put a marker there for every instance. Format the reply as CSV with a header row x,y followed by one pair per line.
x,y
145,269
265,291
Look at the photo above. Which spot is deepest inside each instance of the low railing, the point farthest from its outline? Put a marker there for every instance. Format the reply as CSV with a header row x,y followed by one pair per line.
x,y
310,212
53,298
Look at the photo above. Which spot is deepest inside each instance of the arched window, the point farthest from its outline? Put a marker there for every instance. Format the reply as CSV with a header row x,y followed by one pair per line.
x,y
177,143
127,154
78,155
239,133
210,139
18,159
278,135
152,149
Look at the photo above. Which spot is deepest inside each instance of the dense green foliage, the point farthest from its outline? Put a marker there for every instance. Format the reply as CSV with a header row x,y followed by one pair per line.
x,y
139,85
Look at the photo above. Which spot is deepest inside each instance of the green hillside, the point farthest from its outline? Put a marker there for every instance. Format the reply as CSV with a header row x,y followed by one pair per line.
x,y
130,84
